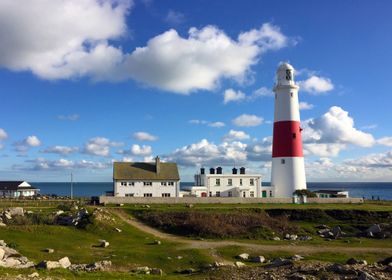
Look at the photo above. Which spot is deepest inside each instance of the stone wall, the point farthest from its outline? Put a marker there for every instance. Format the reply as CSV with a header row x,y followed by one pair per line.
x,y
217,200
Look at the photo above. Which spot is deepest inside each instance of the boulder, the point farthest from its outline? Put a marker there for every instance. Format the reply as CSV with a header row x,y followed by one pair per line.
x,y
341,269
16,211
103,243
157,242
243,256
187,271
355,261
2,243
366,276
297,276
49,250
117,229
65,262
386,261
258,259
297,258
336,231
276,238
280,262
156,271
2,224
239,264
142,270
2,253
374,229
49,265
102,265
33,275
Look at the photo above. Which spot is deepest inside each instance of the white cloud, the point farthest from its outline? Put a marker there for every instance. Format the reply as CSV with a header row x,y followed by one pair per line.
x,y
24,145
260,150
206,153
143,150
216,124
72,117
263,91
174,17
3,134
62,150
208,123
248,120
231,95
386,141
201,60
235,135
381,160
323,149
144,136
40,164
316,85
335,127
99,146
53,39
305,106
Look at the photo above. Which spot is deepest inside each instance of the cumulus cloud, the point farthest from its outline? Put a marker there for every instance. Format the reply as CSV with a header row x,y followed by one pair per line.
x,y
260,150
174,17
235,135
41,164
27,143
168,61
380,160
143,150
72,117
201,60
332,132
305,106
99,146
3,136
208,123
62,150
248,120
144,136
231,95
263,91
316,85
81,48
206,153
386,141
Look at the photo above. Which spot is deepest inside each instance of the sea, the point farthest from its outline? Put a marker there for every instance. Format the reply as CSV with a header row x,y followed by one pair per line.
x,y
373,190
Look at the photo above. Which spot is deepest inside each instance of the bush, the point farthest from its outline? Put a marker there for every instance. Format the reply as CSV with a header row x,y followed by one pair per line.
x,y
308,193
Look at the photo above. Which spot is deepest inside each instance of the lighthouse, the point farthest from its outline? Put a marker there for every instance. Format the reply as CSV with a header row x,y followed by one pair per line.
x,y
288,167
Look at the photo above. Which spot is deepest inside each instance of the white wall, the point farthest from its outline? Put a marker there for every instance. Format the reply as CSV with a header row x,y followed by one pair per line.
x,y
286,106
288,177
138,190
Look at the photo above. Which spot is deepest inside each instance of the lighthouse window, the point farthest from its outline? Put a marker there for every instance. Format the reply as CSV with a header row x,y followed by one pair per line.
x,y
282,161
291,94
294,135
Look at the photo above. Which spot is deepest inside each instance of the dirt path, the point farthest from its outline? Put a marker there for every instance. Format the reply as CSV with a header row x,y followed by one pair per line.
x,y
213,245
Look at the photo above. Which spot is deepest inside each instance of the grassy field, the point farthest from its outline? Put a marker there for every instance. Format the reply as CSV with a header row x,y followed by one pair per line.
x,y
134,247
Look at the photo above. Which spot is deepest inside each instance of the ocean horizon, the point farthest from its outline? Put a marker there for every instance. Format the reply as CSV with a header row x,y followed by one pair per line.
x,y
367,190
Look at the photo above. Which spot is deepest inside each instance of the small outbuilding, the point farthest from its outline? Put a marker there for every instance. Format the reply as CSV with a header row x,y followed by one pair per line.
x,y
331,194
17,189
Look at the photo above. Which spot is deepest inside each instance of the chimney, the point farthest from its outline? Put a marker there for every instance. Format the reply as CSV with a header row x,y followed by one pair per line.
x,y
157,165
202,170
219,170
212,170
242,170
234,170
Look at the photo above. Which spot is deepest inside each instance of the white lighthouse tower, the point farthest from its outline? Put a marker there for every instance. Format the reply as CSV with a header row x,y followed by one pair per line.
x,y
288,167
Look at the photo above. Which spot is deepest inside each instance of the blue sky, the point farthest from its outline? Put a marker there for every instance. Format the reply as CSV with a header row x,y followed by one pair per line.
x,y
85,83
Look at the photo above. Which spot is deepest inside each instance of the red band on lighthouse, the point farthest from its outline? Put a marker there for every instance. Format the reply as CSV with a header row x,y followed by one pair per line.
x,y
287,140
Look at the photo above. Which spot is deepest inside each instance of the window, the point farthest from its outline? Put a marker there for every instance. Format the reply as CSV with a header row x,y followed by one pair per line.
x,y
147,183
252,182
240,182
170,183
217,182
131,184
130,194
147,195
123,183
252,194
282,161
217,194
270,193
210,194
163,183
244,194
230,182
230,194
166,195
291,94
294,135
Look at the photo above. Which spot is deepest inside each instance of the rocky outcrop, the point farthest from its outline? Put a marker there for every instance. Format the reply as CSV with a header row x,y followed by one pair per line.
x,y
11,258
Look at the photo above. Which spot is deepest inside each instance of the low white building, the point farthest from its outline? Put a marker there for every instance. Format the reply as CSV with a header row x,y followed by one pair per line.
x,y
16,189
234,184
144,179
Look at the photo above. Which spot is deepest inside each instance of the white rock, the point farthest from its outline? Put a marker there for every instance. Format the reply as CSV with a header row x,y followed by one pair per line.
x,y
258,259
33,275
65,262
118,230
2,253
239,264
16,211
243,256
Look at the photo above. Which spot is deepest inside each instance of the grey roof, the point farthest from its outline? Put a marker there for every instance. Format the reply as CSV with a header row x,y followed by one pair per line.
x,y
145,171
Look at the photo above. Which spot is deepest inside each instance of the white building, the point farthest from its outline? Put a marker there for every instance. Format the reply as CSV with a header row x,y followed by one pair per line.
x,y
217,184
143,179
16,189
